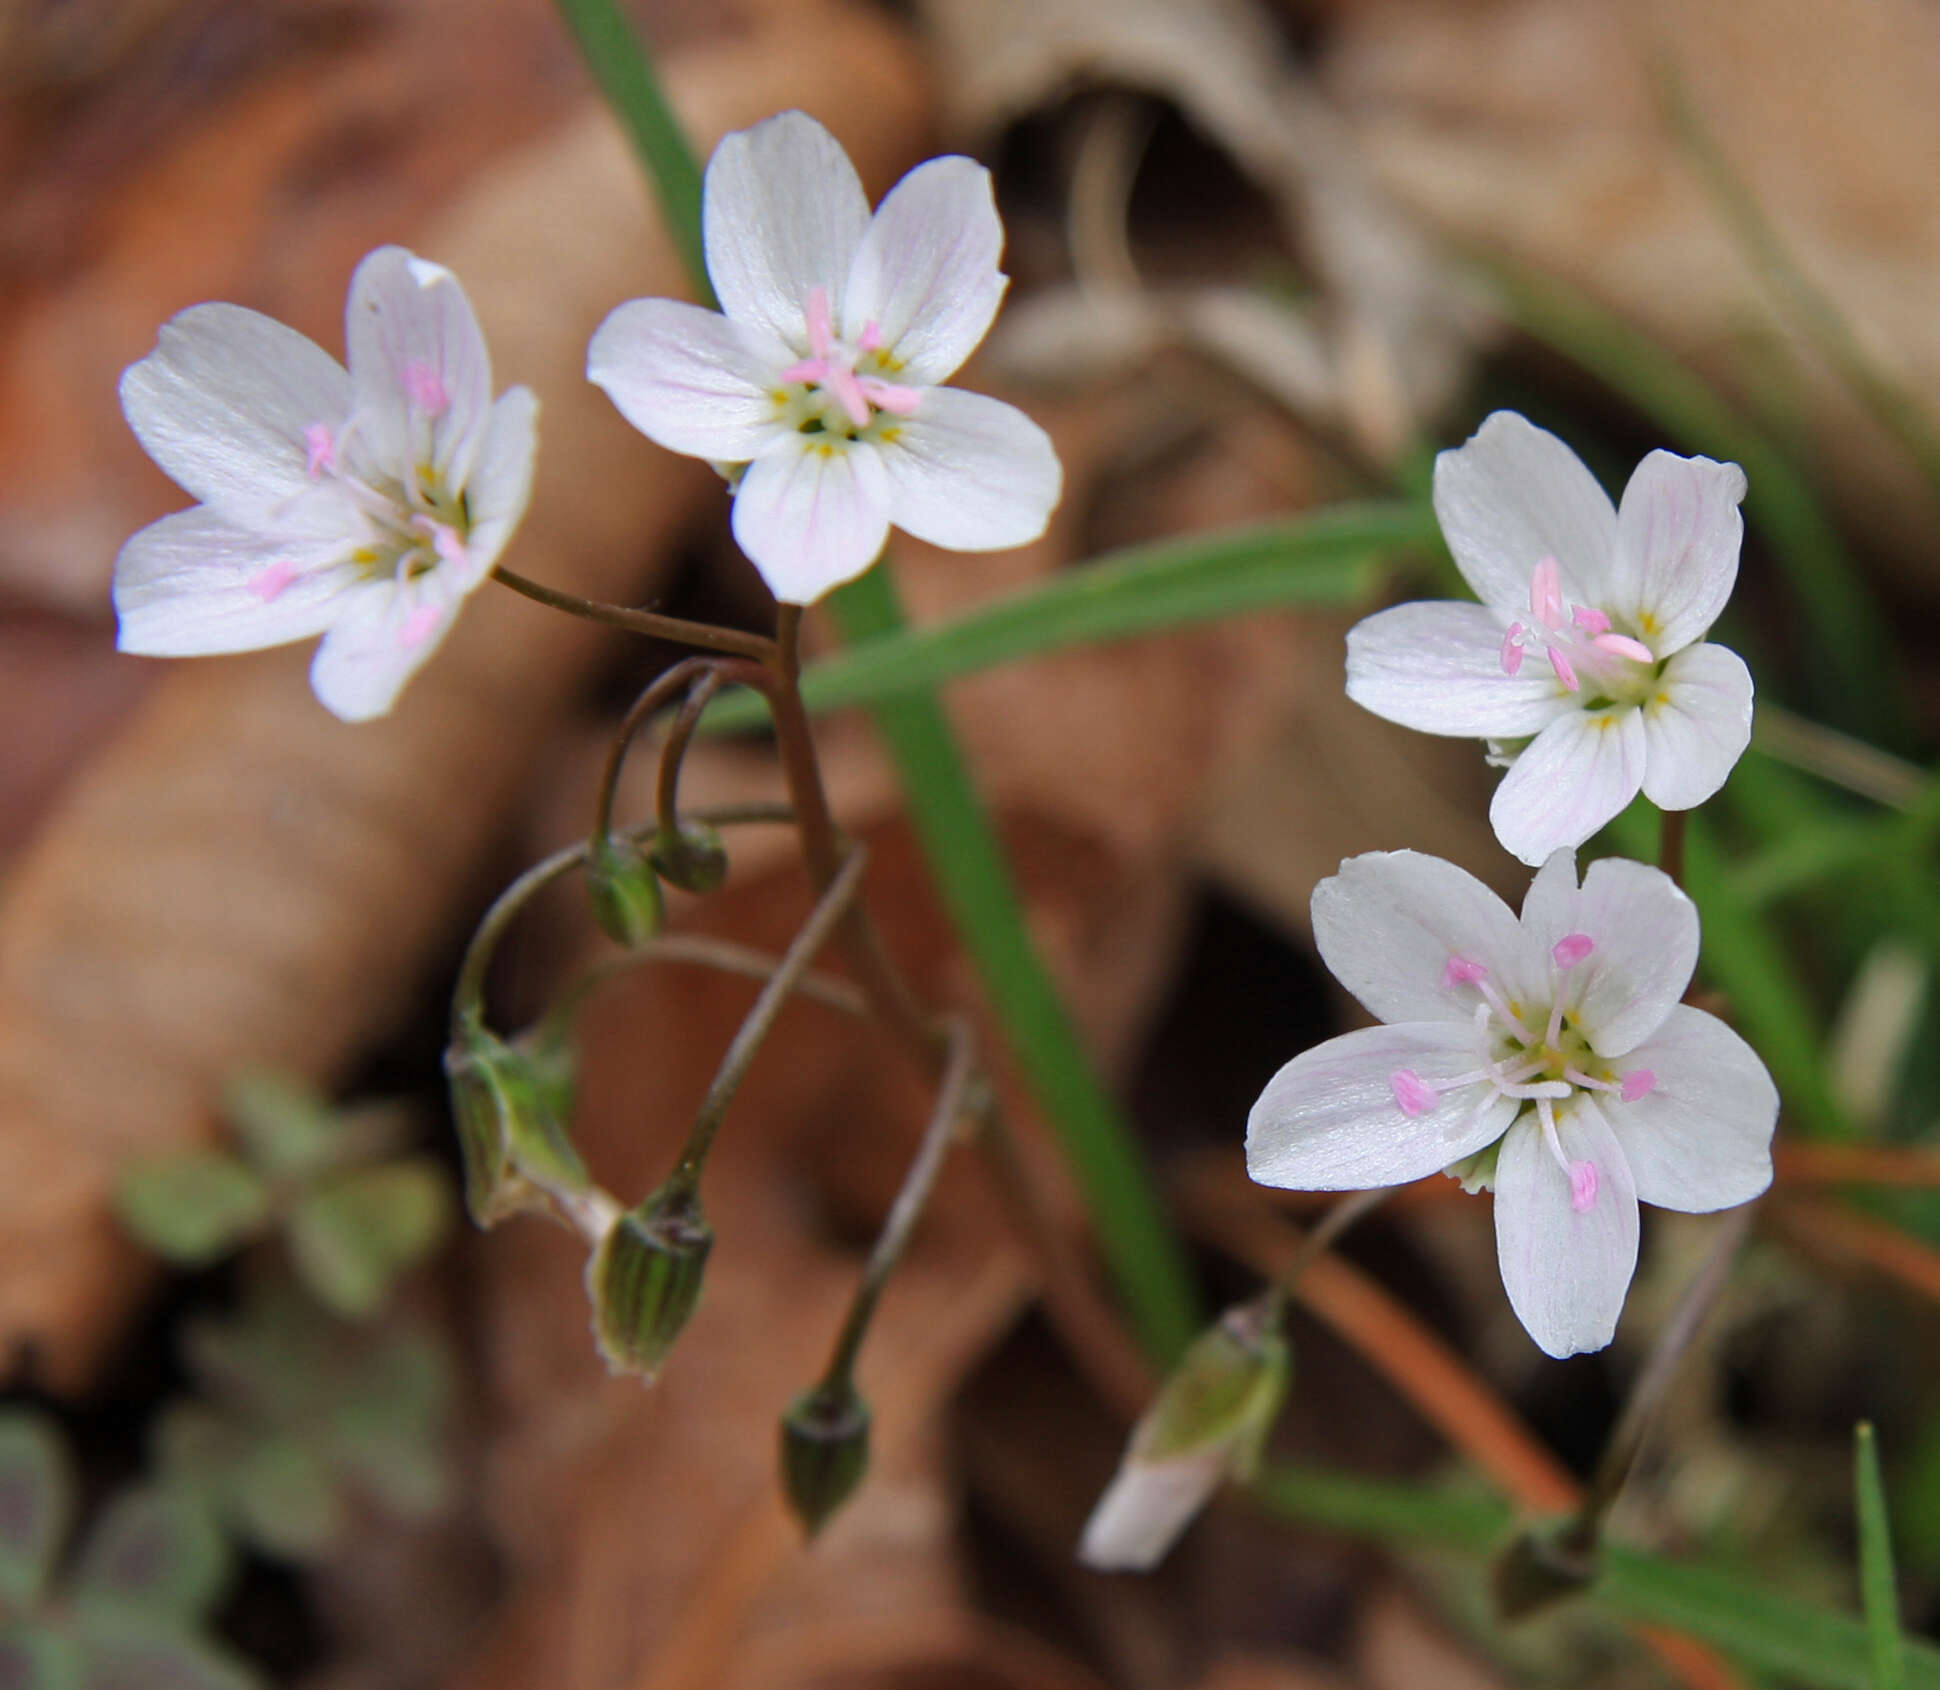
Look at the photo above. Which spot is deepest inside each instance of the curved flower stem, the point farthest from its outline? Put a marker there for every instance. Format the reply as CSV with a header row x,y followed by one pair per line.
x,y
1320,1238
951,1099
730,641
828,913
673,750
660,691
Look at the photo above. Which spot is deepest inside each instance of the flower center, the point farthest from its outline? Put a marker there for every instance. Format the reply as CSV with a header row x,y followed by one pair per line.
x,y
841,385
1579,642
1535,1055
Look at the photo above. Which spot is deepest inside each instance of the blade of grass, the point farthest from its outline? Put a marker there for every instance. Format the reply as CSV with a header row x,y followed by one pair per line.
x,y
1332,557
963,853
1877,1590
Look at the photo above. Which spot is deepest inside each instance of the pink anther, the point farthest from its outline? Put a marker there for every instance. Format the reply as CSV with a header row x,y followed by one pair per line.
x,y
1512,648
417,627
1571,949
1412,1094
1583,1186
426,388
319,449
266,585
1561,665
1546,593
1461,972
1622,645
841,381
1590,620
888,396
1639,1082
871,340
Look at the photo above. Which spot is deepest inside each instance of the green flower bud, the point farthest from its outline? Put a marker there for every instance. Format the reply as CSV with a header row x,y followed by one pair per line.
x,y
694,859
1208,1424
508,1129
625,891
645,1279
824,1451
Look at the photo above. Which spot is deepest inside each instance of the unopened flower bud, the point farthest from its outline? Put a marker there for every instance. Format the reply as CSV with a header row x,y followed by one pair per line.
x,y
509,1129
1208,1423
824,1451
645,1280
625,891
694,859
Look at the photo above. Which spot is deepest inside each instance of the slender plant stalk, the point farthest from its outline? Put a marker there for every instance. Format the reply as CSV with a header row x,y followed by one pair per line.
x,y
1670,845
673,752
1878,1591
1320,1239
658,694
731,641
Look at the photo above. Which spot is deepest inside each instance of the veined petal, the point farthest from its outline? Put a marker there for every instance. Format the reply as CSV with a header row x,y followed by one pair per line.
x,y
1644,934
926,272
1701,1138
192,585
1389,922
1145,1508
691,380
1328,1121
1678,534
1697,723
970,473
1569,780
421,378
386,633
1515,495
1566,1268
1437,667
222,403
812,516
501,480
782,211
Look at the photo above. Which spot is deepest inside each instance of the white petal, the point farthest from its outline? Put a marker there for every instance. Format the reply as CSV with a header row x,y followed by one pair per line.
x,y
1437,667
1569,780
1328,1121
385,635
926,273
1514,495
1644,933
970,473
1566,1271
691,380
1388,923
222,403
420,375
812,516
501,480
1678,534
1701,1138
1697,724
192,585
782,212
1145,1508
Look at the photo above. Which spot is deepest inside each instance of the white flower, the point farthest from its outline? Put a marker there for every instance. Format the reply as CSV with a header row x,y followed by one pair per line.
x,y
363,506
1548,1058
1585,645
821,378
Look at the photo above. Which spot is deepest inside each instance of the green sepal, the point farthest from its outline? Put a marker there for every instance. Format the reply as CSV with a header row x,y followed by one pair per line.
x,y
624,890
192,1206
155,1551
645,1280
510,1135
824,1452
36,1505
694,859
354,1234
1226,1390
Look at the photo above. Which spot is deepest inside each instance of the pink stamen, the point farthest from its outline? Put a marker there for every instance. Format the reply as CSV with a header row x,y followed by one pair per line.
x,y
1639,1082
417,627
1583,1186
1412,1094
1561,665
888,396
449,545
1571,949
821,332
426,388
871,340
319,450
1461,972
1546,593
1512,649
841,381
1622,645
1590,620
266,585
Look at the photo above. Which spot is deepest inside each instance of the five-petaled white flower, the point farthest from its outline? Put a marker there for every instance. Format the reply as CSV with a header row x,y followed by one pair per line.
x,y
1581,665
817,390
363,506
1548,1058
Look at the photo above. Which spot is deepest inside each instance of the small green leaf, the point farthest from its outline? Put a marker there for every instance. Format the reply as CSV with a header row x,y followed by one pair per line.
x,y
125,1651
1877,1587
388,1430
286,1128
36,1505
283,1497
153,1551
352,1237
191,1206
36,1658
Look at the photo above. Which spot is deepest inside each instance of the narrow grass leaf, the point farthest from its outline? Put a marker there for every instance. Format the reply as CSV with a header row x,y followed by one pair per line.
x,y
1878,1591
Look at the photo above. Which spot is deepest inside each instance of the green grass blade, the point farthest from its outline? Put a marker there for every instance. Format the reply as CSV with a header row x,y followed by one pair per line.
x,y
620,64
1139,1246
1877,1590
1330,558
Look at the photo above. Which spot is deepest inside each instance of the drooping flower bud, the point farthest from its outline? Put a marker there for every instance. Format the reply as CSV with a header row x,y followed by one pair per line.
x,y
645,1279
1208,1423
625,891
824,1451
694,859
511,1135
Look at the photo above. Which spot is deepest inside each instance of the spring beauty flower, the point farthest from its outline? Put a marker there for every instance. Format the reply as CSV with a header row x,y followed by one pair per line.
x,y
1584,665
363,505
816,388
1547,1058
